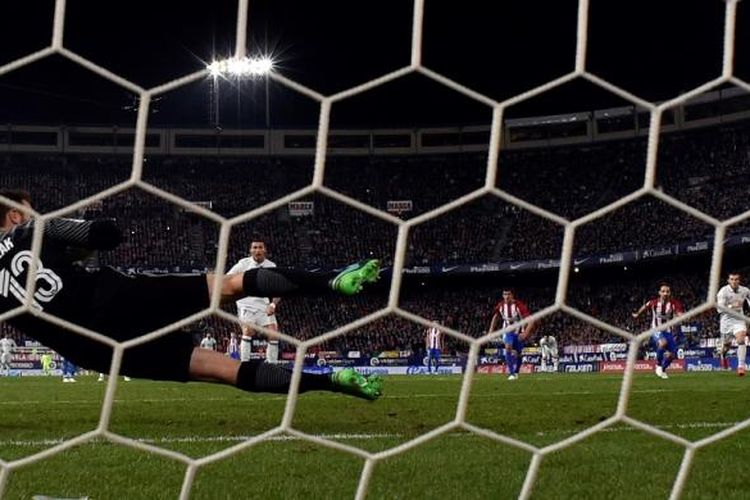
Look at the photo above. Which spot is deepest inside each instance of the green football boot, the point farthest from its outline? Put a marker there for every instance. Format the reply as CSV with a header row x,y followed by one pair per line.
x,y
350,381
350,280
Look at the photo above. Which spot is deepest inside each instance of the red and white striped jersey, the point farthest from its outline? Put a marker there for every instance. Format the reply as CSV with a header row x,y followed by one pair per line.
x,y
434,338
511,312
663,310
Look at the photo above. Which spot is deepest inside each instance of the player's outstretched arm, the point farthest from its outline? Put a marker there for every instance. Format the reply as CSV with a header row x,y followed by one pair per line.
x,y
639,311
100,234
493,323
529,330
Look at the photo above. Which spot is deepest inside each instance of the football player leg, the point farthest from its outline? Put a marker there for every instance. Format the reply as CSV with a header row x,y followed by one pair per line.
x,y
667,348
246,340
555,358
518,348
258,376
5,363
280,282
272,343
434,358
656,342
545,356
726,344
509,341
741,337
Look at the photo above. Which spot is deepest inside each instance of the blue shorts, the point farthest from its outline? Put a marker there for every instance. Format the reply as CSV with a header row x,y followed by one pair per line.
x,y
433,353
668,337
511,338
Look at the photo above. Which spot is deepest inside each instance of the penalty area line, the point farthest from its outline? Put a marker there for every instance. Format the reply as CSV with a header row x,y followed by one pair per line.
x,y
208,439
350,437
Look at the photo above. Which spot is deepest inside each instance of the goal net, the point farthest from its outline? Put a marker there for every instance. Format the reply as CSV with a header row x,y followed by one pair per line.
x,y
390,216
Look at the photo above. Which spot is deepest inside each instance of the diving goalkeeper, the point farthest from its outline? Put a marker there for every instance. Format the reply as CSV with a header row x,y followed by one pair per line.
x,y
123,307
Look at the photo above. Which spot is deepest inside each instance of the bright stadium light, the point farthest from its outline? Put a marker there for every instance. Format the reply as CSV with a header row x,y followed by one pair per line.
x,y
241,67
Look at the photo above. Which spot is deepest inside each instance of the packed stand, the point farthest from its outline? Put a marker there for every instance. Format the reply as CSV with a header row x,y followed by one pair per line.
x,y
707,168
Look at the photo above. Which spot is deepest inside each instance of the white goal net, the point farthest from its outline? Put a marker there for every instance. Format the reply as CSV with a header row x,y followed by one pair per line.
x,y
285,426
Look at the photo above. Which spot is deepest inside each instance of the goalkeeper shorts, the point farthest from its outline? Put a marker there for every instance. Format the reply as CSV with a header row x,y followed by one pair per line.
x,y
124,307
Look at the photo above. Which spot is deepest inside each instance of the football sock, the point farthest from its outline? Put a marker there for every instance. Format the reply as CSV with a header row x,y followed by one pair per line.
x,y
667,361
660,356
272,351
519,356
510,362
257,376
741,354
277,282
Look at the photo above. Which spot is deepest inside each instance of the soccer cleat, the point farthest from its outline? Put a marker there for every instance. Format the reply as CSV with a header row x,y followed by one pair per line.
x,y
512,376
101,378
741,371
350,381
350,280
664,375
659,371
126,378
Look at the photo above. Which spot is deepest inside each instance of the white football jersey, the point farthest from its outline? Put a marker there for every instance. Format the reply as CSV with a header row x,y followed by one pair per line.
x,y
254,303
7,345
549,341
208,343
732,299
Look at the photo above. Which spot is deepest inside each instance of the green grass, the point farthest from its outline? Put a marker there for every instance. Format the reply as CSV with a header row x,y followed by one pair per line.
x,y
201,419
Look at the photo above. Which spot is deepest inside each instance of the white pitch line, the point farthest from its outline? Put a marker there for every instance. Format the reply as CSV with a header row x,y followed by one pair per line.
x,y
241,399
255,398
209,439
355,437
628,428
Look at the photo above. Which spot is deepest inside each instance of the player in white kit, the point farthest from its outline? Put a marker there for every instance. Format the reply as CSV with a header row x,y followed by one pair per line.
x,y
548,345
208,342
258,311
7,347
733,296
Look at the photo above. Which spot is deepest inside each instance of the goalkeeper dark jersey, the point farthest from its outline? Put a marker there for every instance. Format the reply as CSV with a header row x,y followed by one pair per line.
x,y
106,301
62,286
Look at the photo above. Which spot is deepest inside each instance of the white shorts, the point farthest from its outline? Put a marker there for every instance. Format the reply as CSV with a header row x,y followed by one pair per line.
x,y
730,326
5,358
257,317
548,351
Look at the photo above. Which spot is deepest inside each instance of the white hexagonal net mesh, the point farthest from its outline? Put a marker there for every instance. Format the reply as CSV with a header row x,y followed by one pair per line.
x,y
404,227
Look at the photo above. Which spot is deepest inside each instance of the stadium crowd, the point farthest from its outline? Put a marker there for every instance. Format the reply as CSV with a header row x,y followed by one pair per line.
x,y
469,311
706,168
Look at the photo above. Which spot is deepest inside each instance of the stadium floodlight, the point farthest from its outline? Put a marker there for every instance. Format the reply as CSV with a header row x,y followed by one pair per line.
x,y
241,67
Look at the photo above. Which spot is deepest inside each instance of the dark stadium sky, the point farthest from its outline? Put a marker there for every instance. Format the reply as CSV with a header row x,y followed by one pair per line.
x,y
656,49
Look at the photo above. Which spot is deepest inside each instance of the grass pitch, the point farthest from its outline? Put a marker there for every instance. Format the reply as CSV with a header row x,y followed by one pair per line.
x,y
200,419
